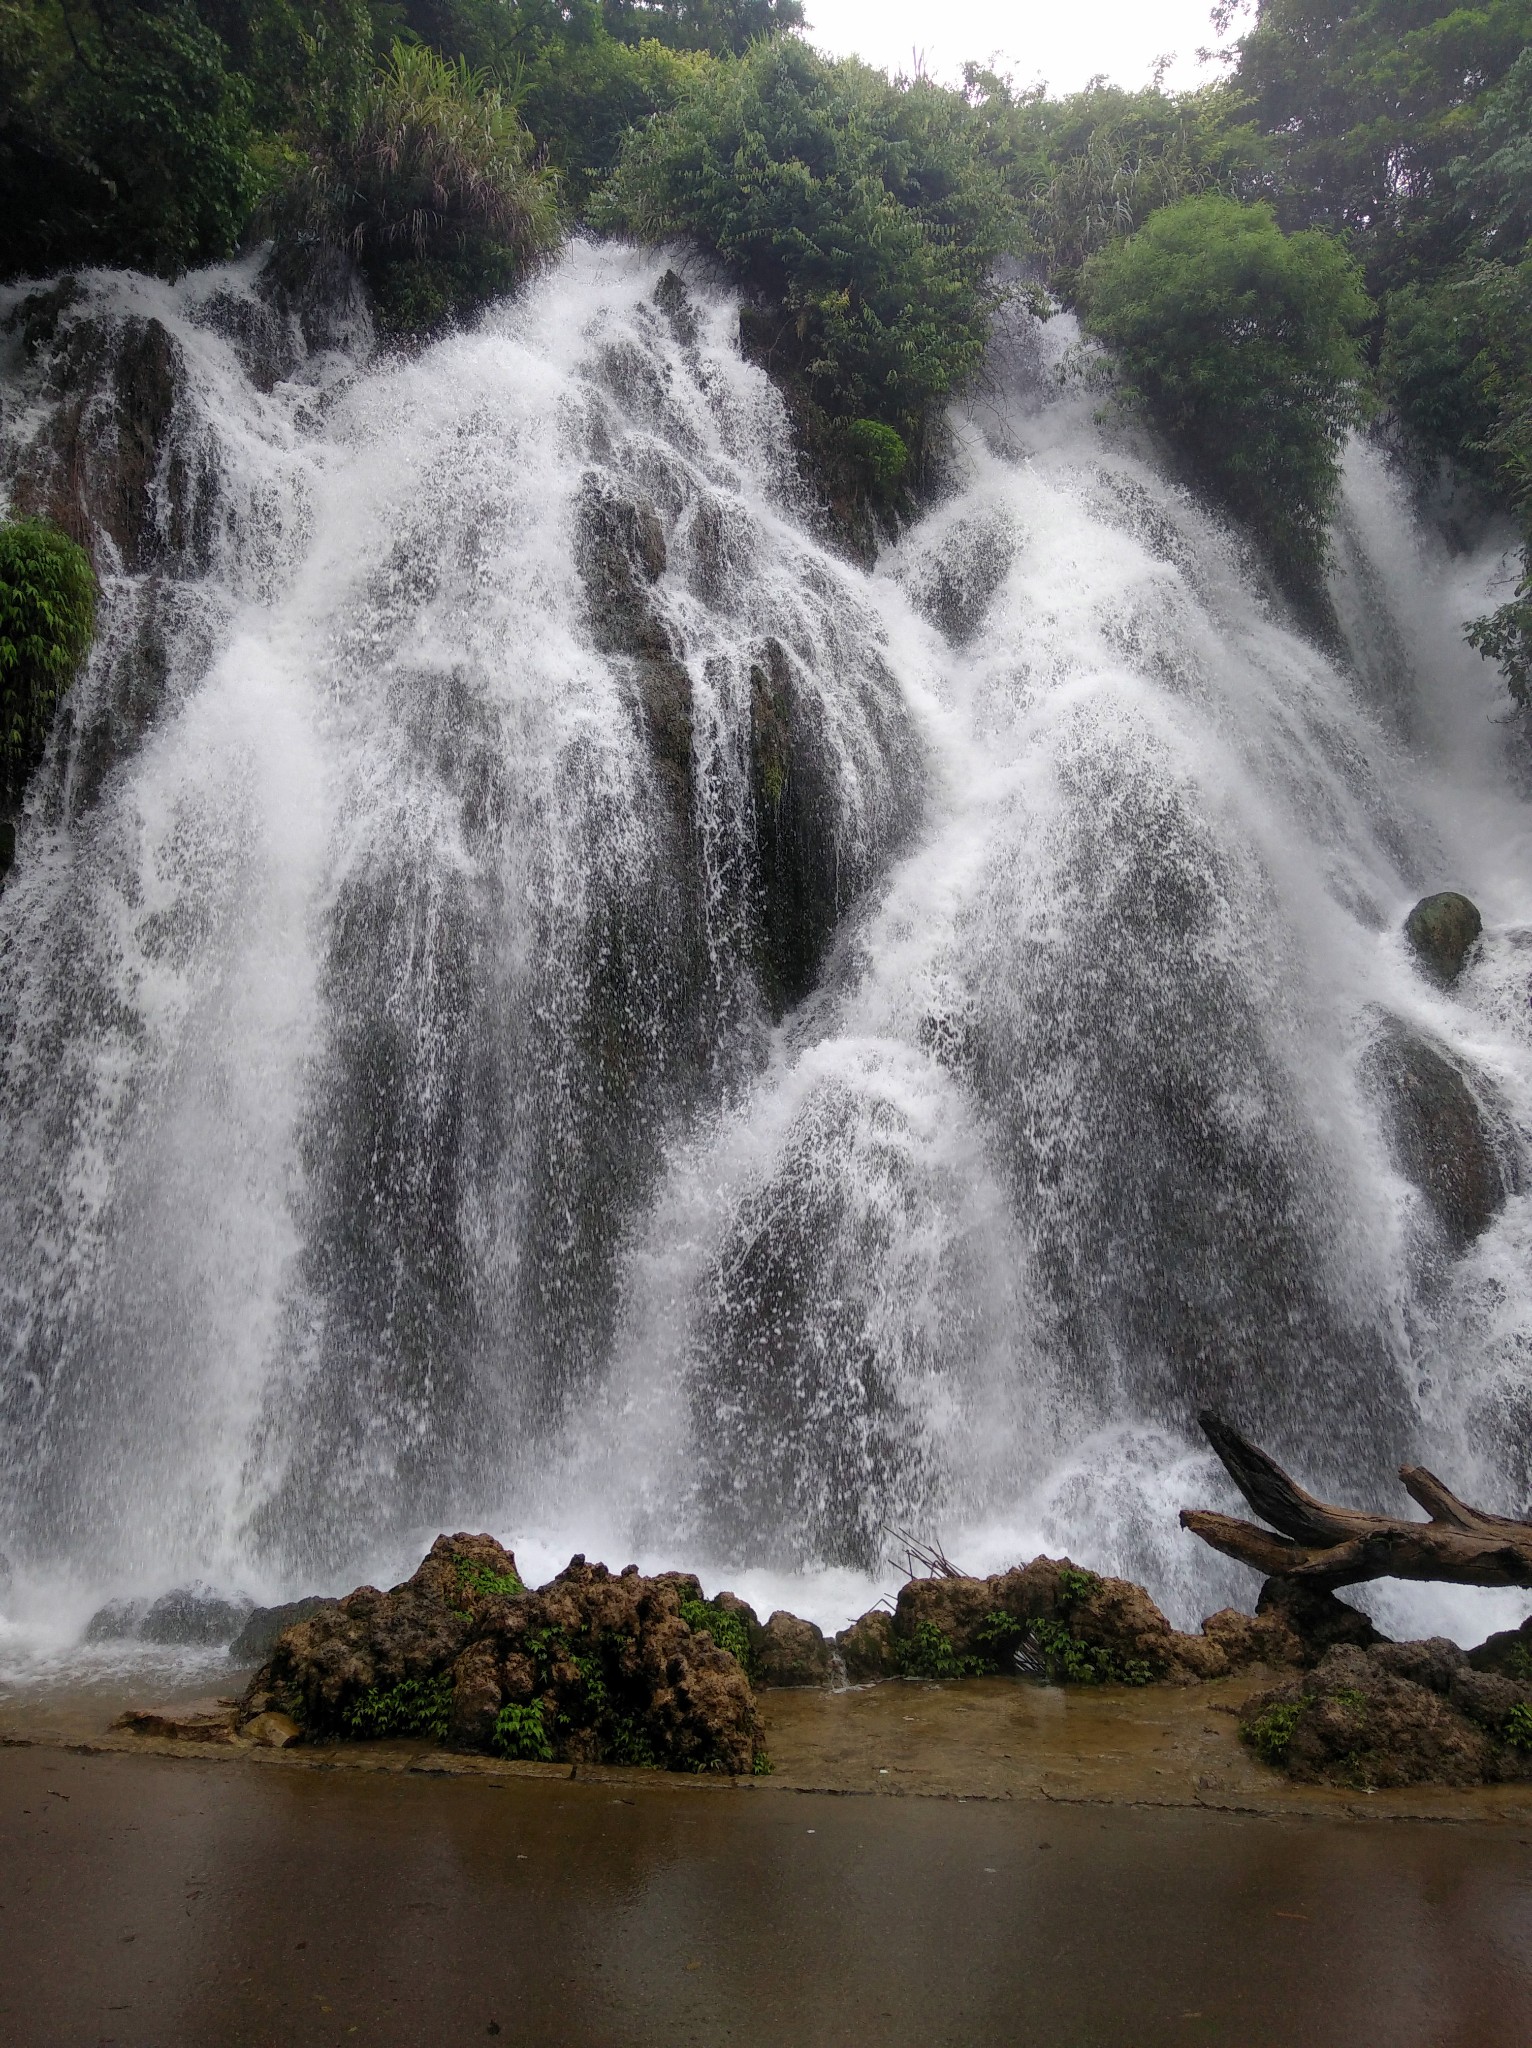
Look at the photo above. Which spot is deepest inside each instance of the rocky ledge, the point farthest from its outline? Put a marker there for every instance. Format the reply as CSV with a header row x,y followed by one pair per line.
x,y
615,1668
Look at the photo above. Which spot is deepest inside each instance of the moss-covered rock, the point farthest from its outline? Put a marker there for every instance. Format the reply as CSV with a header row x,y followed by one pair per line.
x,y
1442,929
1400,1714
595,1667
867,1648
790,1652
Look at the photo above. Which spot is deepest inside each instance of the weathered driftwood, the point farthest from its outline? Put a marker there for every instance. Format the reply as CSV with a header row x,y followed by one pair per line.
x,y
1323,1545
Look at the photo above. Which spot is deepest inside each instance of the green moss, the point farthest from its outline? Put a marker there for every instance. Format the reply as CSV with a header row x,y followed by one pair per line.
x,y
1271,1732
728,1629
1518,1727
47,618
522,1733
1348,1696
417,1706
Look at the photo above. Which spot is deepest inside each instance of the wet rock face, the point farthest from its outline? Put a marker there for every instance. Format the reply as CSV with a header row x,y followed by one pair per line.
x,y
803,888
1440,1133
189,1616
109,466
1402,1714
867,1648
1442,929
1508,1651
263,1625
594,1668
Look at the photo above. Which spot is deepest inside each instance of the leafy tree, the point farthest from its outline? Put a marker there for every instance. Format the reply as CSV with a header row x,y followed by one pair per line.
x,y
1241,341
431,186
861,213
123,136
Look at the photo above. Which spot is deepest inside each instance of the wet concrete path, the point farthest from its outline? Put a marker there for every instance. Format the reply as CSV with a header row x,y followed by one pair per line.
x,y
149,1902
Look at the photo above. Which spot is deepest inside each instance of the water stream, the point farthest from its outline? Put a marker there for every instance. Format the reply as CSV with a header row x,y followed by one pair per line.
x,y
536,995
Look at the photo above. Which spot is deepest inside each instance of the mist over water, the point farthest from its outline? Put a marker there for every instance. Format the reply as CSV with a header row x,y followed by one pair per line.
x,y
537,996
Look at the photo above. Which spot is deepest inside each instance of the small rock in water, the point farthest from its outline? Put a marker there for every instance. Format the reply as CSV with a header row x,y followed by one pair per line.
x,y
272,1730
193,1616
1441,929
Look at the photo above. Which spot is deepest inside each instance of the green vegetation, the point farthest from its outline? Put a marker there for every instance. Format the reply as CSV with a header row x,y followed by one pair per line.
x,y
929,1653
861,213
478,1578
1518,1727
522,1732
428,181
1270,1733
1241,341
47,617
416,1706
728,1629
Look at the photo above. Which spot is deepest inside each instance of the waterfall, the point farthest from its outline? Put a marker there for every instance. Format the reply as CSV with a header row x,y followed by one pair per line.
x,y
539,995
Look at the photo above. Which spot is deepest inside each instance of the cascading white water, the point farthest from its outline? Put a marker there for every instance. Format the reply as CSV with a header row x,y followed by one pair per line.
x,y
563,1005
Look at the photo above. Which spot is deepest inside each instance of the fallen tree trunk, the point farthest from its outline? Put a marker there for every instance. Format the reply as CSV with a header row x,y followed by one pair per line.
x,y
1326,1546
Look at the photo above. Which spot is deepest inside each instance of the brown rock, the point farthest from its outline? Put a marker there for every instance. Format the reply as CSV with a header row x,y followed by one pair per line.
x,y
1316,1617
167,1726
1245,1639
272,1731
788,1651
867,1648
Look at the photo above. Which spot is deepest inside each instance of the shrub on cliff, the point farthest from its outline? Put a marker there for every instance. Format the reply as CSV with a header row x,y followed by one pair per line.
x,y
47,616
859,211
1241,342
430,182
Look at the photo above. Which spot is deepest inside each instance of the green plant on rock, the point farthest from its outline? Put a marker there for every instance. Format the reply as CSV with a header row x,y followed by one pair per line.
x,y
432,184
727,1629
1518,1727
481,1579
1270,1733
416,1706
521,1732
929,1653
47,617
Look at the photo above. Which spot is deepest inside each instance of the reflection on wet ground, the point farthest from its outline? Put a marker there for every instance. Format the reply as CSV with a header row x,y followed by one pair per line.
x,y
149,1902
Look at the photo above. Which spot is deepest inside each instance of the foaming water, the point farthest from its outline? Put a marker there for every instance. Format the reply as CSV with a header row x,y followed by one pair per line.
x,y
538,996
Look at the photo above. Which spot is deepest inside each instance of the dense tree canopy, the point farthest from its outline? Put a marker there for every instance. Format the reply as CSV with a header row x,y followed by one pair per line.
x,y
1242,342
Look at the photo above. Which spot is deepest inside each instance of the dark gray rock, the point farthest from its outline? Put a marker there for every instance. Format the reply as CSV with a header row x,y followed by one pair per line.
x,y
264,1624
1318,1620
1508,1651
1442,928
118,1621
1437,1663
193,1617
1440,1134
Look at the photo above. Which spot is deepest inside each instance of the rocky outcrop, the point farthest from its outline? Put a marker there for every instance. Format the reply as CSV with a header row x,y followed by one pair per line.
x,y
1313,1620
1508,1652
110,467
1055,1621
191,1617
790,1652
1399,1714
1442,929
1440,1132
594,1668
263,1625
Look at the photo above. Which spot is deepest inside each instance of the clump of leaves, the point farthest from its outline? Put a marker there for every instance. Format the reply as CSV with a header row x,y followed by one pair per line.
x,y
47,617
432,184
1241,341
1272,1731
1518,1727
416,1706
727,1629
521,1732
929,1653
479,1578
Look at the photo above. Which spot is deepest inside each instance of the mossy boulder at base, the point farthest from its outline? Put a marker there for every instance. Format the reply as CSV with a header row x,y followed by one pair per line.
x,y
1398,1714
1440,1134
1442,928
595,1667
789,1652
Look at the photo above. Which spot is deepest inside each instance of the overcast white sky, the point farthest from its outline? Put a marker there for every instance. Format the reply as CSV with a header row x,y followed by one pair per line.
x,y
1064,42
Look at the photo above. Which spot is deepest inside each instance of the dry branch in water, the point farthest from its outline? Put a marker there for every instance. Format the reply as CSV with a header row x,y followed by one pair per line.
x,y
923,1560
1330,1546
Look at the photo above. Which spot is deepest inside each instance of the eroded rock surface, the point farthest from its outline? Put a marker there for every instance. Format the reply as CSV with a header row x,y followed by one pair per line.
x,y
1400,1714
595,1667
1442,1138
1442,929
